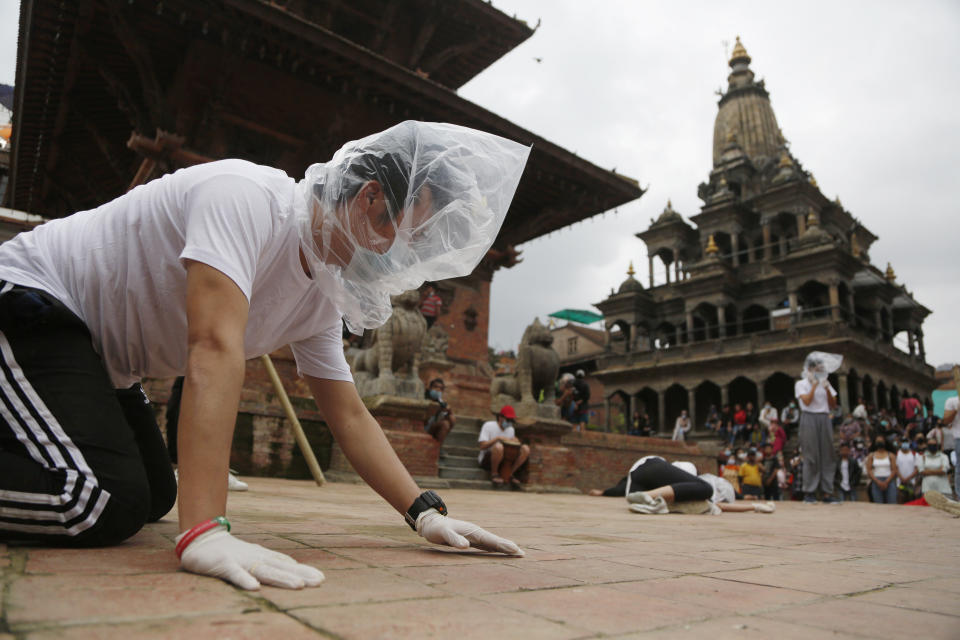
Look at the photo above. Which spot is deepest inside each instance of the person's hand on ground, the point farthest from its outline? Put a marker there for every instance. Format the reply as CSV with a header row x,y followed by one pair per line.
x,y
440,529
217,553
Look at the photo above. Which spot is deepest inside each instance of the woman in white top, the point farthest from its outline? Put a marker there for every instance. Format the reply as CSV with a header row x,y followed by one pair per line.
x,y
881,468
817,398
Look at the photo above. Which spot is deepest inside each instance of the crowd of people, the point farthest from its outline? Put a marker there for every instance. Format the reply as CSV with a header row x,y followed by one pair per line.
x,y
892,456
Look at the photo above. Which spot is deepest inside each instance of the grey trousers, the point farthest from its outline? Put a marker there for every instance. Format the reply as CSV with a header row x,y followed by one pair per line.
x,y
819,457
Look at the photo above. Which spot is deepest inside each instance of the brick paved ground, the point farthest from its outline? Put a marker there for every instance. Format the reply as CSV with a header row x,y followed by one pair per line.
x,y
592,569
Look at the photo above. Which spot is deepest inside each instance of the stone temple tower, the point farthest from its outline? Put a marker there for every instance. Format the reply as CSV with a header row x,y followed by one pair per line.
x,y
769,270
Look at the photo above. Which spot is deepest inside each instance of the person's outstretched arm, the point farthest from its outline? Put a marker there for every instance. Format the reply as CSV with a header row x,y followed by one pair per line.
x,y
216,323
368,450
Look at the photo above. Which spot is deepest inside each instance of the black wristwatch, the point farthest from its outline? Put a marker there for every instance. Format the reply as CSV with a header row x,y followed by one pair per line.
x,y
427,500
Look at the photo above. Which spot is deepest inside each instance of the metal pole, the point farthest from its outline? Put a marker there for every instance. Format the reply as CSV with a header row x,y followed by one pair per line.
x,y
292,417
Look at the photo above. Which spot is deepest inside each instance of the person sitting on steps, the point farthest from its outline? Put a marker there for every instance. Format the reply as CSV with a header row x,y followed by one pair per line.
x,y
494,434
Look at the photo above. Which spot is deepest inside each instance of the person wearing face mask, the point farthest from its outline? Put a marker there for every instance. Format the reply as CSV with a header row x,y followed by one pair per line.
x,y
495,435
193,274
934,466
907,470
881,468
440,421
817,399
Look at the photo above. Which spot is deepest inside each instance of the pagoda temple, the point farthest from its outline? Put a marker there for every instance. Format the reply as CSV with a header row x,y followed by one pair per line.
x,y
770,270
112,93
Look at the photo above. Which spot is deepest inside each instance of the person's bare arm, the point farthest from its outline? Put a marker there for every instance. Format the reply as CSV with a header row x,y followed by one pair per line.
x,y
831,398
363,442
948,416
807,398
216,321
486,444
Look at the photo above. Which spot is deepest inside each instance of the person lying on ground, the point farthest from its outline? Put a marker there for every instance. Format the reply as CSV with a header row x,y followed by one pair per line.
x,y
193,274
655,486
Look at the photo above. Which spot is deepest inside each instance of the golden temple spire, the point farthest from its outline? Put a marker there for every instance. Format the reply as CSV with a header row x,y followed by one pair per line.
x,y
739,53
812,220
712,248
891,276
630,271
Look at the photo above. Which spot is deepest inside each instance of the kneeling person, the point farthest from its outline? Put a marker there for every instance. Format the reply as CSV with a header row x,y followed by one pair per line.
x,y
494,434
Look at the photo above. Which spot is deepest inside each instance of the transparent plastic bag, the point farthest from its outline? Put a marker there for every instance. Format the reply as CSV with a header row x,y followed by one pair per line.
x,y
420,201
820,364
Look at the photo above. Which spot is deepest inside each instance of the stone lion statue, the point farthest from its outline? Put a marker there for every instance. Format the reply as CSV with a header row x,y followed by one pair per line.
x,y
390,366
537,368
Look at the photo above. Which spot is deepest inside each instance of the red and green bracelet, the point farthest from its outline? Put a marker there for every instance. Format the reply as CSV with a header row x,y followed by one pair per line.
x,y
193,533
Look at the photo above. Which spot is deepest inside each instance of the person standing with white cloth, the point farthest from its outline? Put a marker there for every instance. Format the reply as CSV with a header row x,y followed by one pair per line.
x,y
817,398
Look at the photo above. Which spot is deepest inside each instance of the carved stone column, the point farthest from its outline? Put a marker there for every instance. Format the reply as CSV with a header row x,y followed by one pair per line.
x,y
676,266
923,352
722,320
834,302
650,266
689,327
844,392
632,408
735,244
692,406
761,396
661,410
767,249
912,342
792,296
724,394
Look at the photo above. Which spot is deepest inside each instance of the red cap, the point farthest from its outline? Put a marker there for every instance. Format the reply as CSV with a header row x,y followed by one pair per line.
x,y
507,412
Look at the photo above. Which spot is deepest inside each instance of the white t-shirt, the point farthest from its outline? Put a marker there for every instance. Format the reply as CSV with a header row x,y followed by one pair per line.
x,y
906,463
491,430
952,405
120,268
939,461
819,403
844,466
722,489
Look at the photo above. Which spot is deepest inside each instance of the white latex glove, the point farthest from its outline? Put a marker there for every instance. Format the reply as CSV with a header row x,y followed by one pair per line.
x,y
440,529
217,553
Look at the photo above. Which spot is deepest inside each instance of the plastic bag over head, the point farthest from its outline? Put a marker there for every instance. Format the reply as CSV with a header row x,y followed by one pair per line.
x,y
420,201
820,364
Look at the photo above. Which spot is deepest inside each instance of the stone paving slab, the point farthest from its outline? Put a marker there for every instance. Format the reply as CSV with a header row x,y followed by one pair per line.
x,y
593,569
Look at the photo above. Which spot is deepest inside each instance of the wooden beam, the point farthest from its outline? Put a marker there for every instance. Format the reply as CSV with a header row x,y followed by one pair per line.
x,y
257,127
423,39
101,143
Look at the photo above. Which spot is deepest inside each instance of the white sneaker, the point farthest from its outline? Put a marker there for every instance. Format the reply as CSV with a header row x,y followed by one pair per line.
x,y
764,507
640,497
659,506
235,484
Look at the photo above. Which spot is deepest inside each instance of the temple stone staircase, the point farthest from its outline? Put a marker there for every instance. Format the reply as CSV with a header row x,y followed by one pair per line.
x,y
458,456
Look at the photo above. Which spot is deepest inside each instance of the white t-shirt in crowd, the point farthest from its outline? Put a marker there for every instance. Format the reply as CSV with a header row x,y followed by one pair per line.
x,y
952,404
844,466
819,403
722,489
939,483
860,413
121,269
906,463
491,430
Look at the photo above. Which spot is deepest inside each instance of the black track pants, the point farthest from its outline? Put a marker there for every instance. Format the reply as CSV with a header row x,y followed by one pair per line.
x,y
81,463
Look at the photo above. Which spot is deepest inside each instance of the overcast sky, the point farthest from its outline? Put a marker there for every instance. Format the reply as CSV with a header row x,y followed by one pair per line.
x,y
866,92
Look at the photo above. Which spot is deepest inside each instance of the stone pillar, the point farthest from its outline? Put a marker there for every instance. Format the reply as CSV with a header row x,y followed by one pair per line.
x,y
722,320
661,410
606,410
724,394
801,224
667,267
923,352
767,249
792,296
761,396
606,337
676,341
632,409
910,340
692,406
676,266
878,323
650,266
750,249
783,245
853,310
632,338
689,327
834,302
735,243
844,392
